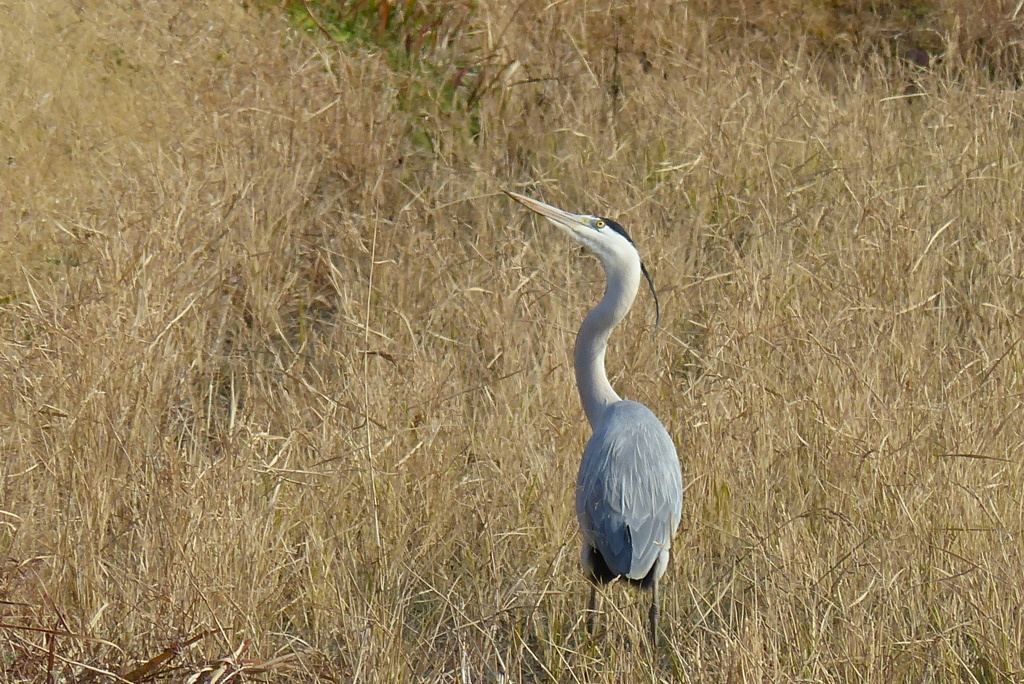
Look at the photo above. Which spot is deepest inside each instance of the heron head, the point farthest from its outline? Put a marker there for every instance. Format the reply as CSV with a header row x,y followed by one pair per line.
x,y
607,239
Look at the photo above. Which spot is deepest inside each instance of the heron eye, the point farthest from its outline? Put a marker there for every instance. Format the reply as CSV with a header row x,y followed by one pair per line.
x,y
599,223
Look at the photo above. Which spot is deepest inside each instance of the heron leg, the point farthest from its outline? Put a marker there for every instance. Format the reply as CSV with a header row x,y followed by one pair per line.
x,y
655,610
592,607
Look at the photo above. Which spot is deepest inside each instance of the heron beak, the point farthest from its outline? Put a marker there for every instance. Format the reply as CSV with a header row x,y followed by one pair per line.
x,y
570,223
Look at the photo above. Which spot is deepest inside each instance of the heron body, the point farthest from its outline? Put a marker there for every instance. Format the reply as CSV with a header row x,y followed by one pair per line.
x,y
628,501
629,490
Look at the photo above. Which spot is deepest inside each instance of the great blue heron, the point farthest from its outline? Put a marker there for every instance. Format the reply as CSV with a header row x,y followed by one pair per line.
x,y
629,491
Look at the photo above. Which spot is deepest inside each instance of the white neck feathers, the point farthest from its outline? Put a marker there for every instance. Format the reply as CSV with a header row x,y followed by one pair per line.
x,y
596,393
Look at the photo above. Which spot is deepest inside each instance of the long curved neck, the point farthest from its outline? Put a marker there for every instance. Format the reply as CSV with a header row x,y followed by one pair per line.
x,y
596,392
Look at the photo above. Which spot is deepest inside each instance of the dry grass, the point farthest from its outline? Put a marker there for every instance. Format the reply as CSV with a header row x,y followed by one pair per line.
x,y
288,378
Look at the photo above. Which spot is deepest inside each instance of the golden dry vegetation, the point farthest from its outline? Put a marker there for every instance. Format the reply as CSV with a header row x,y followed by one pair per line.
x,y
287,380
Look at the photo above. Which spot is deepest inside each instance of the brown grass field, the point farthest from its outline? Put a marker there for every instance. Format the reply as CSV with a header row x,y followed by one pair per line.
x,y
288,392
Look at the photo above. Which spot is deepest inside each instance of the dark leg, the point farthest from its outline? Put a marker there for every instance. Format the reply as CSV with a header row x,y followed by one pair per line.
x,y
655,609
592,609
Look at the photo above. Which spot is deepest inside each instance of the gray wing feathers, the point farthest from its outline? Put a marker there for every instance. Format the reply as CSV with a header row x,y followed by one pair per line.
x,y
629,491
